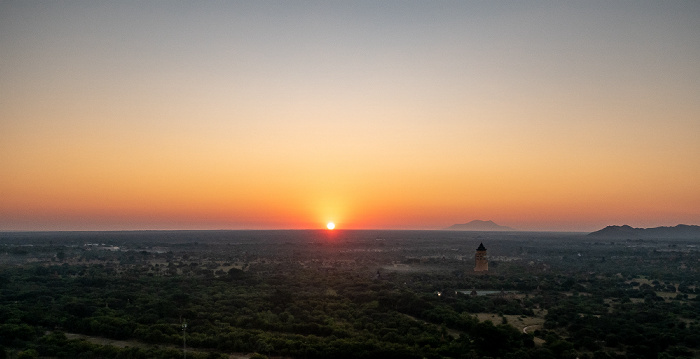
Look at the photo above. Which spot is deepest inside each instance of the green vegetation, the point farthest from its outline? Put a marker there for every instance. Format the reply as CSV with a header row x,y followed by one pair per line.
x,y
303,295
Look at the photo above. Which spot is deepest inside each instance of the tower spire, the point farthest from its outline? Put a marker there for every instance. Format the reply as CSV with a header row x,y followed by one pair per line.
x,y
482,263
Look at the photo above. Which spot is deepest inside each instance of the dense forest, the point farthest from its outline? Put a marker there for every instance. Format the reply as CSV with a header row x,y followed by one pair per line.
x,y
346,294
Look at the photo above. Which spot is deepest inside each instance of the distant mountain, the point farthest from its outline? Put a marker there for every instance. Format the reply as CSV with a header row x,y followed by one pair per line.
x,y
478,225
680,231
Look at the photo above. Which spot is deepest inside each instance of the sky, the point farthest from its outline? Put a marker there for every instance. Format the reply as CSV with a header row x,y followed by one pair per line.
x,y
538,115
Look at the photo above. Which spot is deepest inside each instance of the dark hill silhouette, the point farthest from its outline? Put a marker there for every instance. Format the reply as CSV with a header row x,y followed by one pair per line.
x,y
477,225
625,231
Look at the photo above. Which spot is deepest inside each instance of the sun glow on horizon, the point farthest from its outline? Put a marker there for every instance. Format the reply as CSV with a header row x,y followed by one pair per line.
x,y
313,117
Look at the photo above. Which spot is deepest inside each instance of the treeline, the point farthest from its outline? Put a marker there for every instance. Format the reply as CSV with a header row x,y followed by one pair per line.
x,y
299,314
649,329
338,301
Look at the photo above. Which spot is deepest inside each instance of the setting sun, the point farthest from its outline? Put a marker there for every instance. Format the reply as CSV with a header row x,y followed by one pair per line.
x,y
330,225
314,118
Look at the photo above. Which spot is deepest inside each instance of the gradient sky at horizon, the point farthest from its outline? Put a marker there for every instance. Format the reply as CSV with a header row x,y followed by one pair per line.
x,y
537,115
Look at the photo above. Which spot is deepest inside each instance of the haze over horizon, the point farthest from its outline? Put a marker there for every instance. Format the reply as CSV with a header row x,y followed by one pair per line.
x,y
372,115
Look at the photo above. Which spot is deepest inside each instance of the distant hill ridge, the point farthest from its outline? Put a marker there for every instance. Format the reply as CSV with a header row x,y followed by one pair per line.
x,y
477,225
625,231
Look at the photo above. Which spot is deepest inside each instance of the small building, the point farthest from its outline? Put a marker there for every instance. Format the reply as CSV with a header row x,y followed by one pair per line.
x,y
482,263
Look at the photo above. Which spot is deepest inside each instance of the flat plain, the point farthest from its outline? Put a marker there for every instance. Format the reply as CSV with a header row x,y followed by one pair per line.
x,y
314,294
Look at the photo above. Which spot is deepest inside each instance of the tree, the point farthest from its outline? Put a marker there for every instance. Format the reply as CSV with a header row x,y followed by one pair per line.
x,y
28,354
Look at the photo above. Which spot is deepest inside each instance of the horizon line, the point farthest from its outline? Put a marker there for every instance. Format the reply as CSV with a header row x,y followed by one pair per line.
x,y
278,229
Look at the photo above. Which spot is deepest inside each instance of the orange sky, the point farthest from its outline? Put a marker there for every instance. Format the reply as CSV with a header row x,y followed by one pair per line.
x,y
392,116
